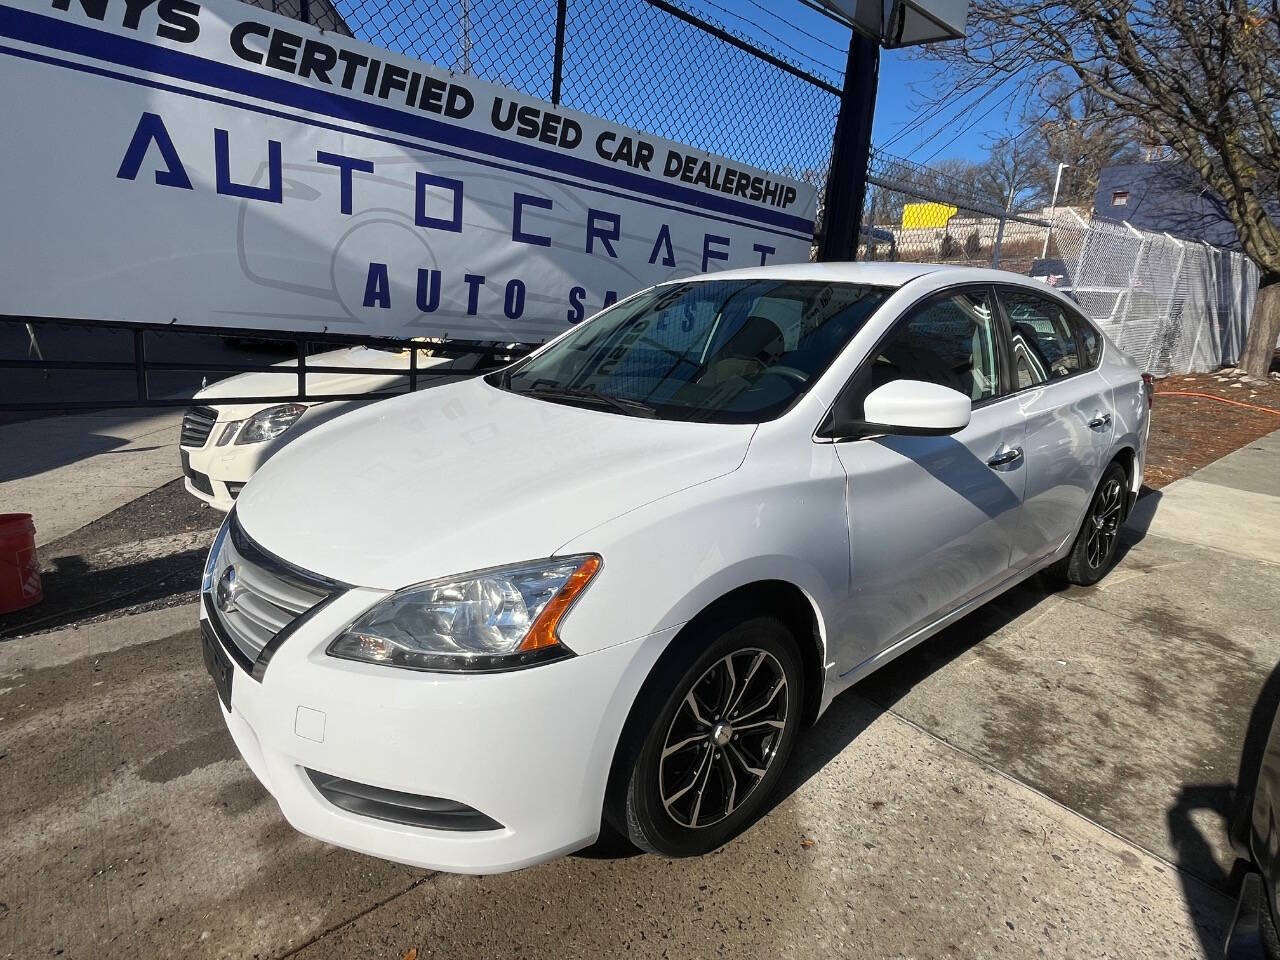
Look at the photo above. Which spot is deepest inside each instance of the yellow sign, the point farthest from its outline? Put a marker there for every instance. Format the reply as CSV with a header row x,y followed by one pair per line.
x,y
924,215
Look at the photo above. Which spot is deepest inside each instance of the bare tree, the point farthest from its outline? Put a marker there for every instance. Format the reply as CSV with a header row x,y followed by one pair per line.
x,y
1011,176
1083,133
1200,75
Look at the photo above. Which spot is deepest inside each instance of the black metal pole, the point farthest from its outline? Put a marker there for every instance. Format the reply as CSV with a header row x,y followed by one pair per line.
x,y
557,70
140,364
304,11
847,181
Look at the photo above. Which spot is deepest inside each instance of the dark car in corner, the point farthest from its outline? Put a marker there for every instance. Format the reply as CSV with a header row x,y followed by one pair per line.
x,y
1255,832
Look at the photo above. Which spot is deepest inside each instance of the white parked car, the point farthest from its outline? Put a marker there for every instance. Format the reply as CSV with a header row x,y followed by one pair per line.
x,y
609,584
223,444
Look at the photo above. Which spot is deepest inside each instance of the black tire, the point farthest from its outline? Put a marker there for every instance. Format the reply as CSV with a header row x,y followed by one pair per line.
x,y
1094,551
663,716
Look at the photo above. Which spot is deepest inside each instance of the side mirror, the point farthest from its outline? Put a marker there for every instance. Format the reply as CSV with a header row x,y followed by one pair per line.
x,y
916,408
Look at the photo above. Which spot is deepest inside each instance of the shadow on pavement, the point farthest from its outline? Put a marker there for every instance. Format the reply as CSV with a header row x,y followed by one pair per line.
x,y
1227,807
1195,805
75,591
150,550
28,454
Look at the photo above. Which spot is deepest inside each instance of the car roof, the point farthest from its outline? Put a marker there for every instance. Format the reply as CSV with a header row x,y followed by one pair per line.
x,y
873,274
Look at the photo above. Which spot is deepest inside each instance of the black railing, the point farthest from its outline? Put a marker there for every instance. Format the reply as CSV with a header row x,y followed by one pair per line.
x,y
490,355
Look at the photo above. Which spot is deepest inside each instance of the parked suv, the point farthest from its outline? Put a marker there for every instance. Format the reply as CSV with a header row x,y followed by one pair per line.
x,y
610,583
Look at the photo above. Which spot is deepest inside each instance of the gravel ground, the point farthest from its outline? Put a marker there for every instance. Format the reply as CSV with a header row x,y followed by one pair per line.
x,y
1190,432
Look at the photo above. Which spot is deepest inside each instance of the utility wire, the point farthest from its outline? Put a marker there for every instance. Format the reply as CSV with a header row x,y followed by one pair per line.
x,y
986,113
924,118
798,29
837,71
1018,50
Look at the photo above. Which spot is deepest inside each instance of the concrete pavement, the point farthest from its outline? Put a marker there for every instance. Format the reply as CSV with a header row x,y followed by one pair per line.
x,y
1046,778
69,471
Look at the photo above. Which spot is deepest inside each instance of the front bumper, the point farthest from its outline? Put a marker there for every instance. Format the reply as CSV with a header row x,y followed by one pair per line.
x,y
217,474
531,749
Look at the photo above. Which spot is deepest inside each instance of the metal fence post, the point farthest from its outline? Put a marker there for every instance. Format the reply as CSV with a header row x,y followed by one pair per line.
x,y
302,368
140,364
557,67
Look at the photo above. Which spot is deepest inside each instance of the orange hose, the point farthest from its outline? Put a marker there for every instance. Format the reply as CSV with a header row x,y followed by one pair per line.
x,y
1212,396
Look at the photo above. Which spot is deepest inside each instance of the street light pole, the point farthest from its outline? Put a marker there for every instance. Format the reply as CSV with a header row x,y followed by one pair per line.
x,y
1053,207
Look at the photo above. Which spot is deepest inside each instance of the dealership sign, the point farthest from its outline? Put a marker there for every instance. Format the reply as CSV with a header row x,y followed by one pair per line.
x,y
212,163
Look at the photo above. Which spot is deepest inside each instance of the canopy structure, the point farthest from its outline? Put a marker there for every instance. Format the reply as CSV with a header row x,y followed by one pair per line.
x,y
903,23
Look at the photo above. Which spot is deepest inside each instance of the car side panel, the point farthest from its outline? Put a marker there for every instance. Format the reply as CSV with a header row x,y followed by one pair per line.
x,y
1131,412
1065,458
930,525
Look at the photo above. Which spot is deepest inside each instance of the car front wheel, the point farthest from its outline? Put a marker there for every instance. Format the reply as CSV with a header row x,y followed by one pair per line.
x,y
711,737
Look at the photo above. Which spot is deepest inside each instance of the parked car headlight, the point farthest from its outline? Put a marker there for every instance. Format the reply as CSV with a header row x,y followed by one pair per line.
x,y
264,425
493,619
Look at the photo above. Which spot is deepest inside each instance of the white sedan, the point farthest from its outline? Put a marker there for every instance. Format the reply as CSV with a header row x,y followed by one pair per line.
x,y
609,584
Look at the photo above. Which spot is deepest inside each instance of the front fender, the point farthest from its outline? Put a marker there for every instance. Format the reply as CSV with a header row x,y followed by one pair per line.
x,y
671,559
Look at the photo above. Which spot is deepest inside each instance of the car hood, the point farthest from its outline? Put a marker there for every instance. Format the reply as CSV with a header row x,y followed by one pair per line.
x,y
467,476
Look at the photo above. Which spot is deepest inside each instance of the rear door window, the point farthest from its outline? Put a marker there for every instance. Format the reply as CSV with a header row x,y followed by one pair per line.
x,y
1090,339
1043,338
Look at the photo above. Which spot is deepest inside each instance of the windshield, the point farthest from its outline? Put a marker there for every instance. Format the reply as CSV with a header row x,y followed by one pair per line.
x,y
720,351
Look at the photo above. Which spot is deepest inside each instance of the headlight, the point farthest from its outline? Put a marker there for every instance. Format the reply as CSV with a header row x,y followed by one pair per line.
x,y
493,619
264,425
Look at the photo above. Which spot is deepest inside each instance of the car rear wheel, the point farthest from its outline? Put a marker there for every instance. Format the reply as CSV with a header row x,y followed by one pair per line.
x,y
1095,548
710,738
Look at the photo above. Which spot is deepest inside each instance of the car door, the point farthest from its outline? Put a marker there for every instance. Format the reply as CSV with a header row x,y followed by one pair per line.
x,y
931,518
1068,410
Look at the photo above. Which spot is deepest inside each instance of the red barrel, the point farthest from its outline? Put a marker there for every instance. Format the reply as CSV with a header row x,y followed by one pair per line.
x,y
19,568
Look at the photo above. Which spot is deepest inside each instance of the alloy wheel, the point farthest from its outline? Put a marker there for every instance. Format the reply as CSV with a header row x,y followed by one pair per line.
x,y
723,738
1104,524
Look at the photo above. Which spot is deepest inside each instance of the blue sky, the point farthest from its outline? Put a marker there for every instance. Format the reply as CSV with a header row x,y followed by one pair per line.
x,y
807,37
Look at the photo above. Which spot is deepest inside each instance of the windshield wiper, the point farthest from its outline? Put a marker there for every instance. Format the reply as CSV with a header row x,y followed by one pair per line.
x,y
624,405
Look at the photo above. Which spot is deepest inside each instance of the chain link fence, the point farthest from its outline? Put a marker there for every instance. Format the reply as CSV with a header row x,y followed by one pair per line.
x,y
1175,306
916,214
658,66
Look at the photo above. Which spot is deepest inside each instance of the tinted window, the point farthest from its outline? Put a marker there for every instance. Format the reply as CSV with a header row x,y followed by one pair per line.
x,y
949,340
1090,338
725,351
1044,341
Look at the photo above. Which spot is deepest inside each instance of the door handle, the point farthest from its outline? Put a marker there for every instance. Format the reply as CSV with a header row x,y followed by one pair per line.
x,y
1100,421
1010,455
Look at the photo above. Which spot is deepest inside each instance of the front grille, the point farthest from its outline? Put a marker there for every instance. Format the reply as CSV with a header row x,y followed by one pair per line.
x,y
196,425
253,596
